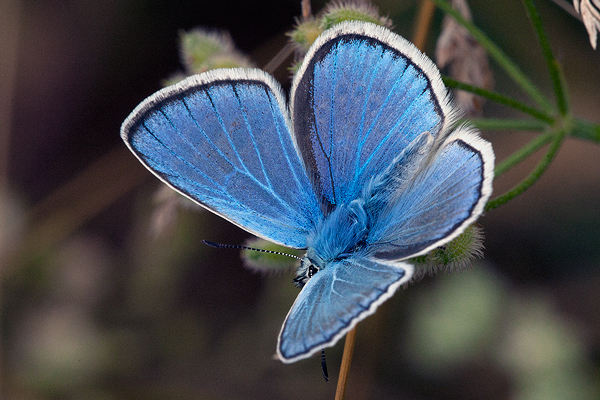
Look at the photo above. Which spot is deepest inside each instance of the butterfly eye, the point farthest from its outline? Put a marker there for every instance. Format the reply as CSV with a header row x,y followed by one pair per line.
x,y
305,273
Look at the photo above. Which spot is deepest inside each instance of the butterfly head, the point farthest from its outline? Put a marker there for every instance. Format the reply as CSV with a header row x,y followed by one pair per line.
x,y
308,268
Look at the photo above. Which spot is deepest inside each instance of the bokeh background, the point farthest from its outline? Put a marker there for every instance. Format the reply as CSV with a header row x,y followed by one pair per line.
x,y
108,294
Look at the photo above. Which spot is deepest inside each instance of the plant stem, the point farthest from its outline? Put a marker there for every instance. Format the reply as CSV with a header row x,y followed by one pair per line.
x,y
498,98
586,130
537,172
496,124
553,68
522,153
345,367
494,51
422,27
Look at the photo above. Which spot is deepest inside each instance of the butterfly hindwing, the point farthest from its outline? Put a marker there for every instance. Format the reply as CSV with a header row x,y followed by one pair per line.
x,y
222,139
334,300
360,97
444,197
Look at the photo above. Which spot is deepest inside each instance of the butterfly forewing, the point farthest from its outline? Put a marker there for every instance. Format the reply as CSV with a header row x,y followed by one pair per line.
x,y
360,97
223,140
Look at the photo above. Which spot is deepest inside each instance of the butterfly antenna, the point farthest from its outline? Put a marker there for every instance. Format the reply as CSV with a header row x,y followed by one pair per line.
x,y
237,246
324,366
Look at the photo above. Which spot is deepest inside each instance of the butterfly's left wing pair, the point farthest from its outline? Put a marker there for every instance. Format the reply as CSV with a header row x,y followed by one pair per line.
x,y
223,140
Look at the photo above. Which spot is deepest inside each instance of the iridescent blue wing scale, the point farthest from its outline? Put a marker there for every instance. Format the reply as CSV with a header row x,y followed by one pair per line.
x,y
334,301
222,139
360,97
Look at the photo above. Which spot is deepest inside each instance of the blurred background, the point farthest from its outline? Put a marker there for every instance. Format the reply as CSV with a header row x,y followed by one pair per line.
x,y
108,293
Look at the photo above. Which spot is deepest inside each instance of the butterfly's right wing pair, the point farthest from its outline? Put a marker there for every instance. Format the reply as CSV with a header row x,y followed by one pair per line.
x,y
370,110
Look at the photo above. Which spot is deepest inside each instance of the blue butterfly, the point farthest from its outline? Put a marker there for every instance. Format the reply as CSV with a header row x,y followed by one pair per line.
x,y
363,170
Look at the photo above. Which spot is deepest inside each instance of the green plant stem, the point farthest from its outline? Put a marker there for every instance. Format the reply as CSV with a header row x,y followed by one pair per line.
x,y
495,124
522,153
494,51
586,130
498,98
537,172
553,67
